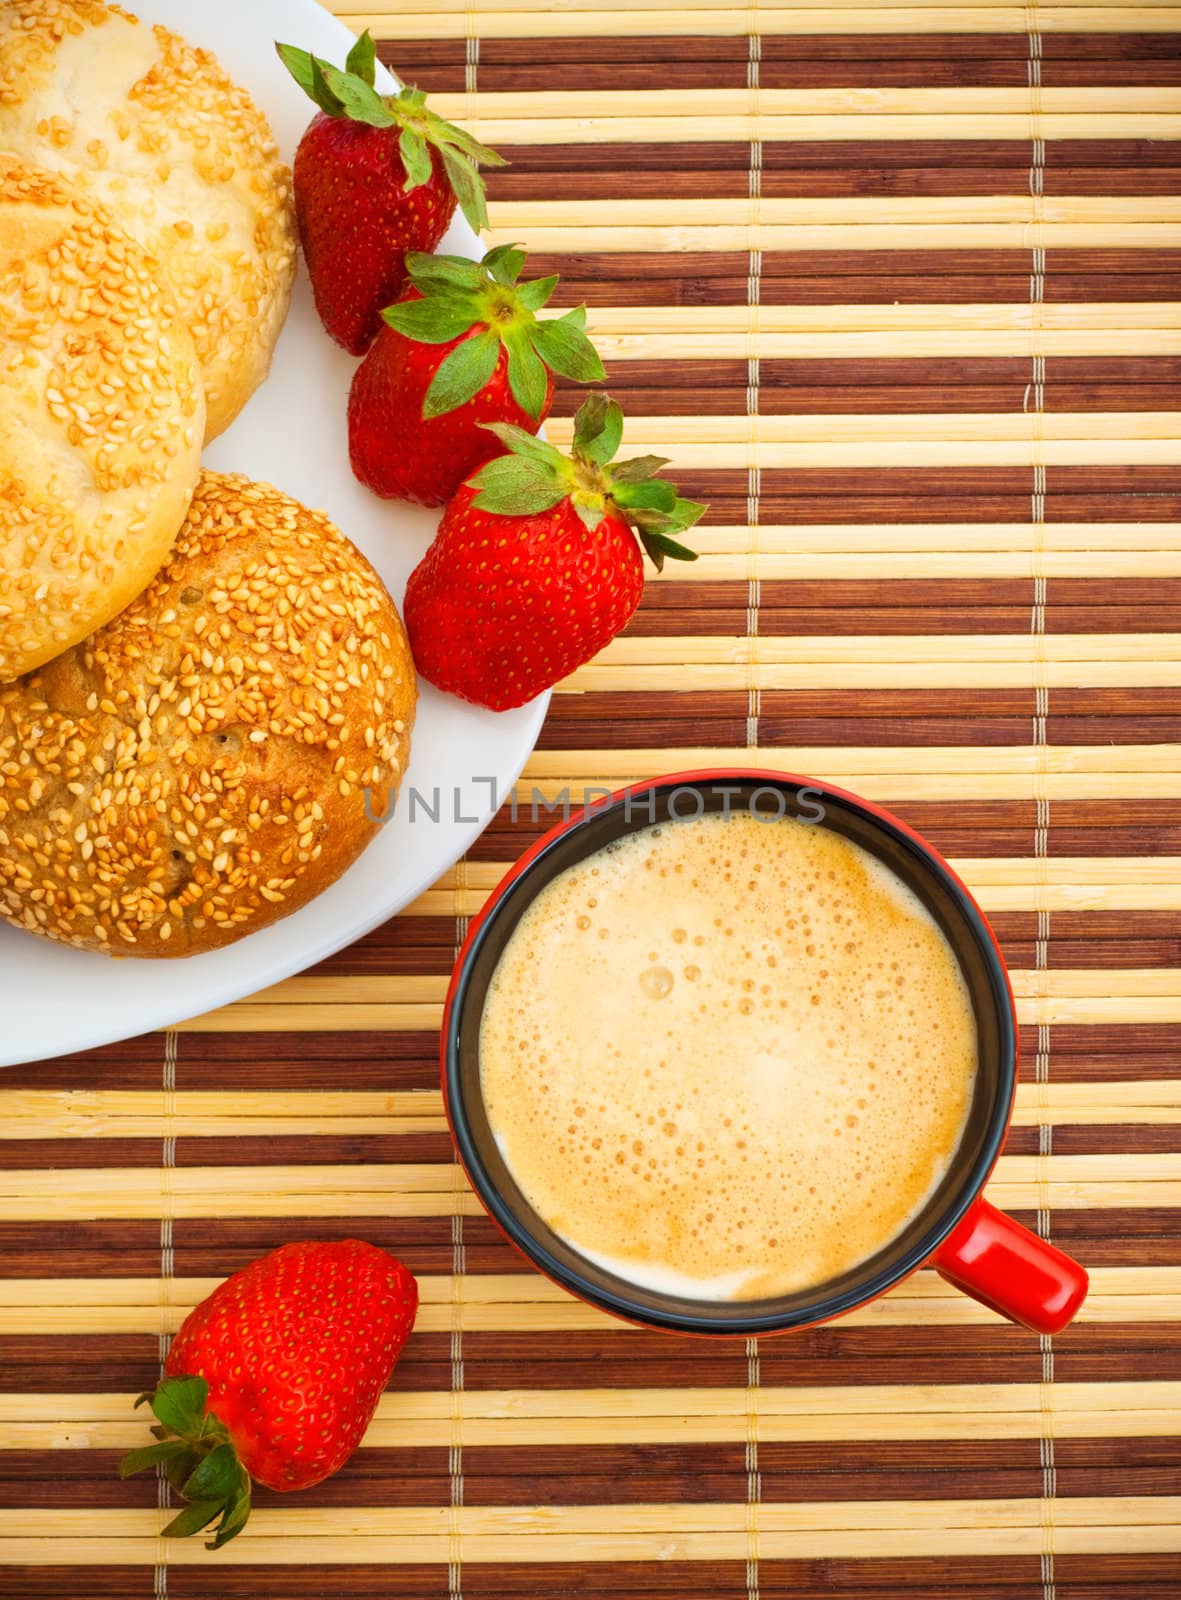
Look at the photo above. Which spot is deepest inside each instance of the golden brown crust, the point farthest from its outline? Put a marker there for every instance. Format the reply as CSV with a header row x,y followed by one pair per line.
x,y
156,130
101,417
199,767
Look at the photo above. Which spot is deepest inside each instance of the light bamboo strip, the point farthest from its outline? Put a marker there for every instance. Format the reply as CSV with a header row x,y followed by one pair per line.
x,y
692,678
674,333
312,1523
350,10
350,1546
520,1304
854,210
931,538
935,343
1003,897
684,1402
645,432
1032,233
555,23
1106,998
385,1189
936,550
519,125
1063,883
683,663
189,1114
571,1316
617,766
1059,983
683,1531
1124,317
903,439
689,105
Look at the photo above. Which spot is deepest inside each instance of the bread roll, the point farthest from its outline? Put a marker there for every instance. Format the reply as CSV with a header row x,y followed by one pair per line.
x,y
204,764
183,157
101,416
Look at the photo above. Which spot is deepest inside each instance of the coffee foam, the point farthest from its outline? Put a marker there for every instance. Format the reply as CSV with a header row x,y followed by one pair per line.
x,y
727,1059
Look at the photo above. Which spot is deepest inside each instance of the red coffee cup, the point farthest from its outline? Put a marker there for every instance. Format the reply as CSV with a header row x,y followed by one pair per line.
x,y
958,1232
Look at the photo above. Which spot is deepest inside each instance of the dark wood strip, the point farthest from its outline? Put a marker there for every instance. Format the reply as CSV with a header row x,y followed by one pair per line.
x,y
729,399
1130,1138
122,1249
904,277
243,1149
920,60
871,167
102,1583
32,1154
79,1363
1141,1466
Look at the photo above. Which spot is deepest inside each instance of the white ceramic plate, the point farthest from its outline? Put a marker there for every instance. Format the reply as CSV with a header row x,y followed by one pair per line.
x,y
53,999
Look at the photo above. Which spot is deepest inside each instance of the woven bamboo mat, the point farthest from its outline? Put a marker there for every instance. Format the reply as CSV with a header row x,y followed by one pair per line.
x,y
896,286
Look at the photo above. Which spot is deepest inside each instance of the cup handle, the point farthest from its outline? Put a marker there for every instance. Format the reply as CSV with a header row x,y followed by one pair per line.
x,y
1005,1266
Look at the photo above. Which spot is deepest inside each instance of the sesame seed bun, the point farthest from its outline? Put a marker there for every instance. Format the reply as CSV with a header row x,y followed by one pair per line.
x,y
101,416
203,765
185,160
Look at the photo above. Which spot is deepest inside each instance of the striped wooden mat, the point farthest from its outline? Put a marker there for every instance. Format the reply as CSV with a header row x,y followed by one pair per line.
x,y
896,287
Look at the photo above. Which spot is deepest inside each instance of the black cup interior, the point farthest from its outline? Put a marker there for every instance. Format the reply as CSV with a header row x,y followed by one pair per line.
x,y
769,795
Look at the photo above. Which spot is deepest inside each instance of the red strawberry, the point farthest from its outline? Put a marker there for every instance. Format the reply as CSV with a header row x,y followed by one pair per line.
x,y
462,348
275,1377
535,565
374,176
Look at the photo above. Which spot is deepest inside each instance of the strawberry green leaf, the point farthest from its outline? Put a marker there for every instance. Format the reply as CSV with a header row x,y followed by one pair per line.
x,y
598,429
511,485
217,1477
638,468
448,133
653,494
576,317
434,321
179,1403
362,59
658,546
178,1469
467,185
536,294
527,377
415,159
567,350
322,92
358,99
505,263
446,272
687,513
527,445
140,1460
233,1520
192,1519
299,64
462,374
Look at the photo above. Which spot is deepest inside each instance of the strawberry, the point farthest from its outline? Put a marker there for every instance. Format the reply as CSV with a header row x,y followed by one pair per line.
x,y
462,348
374,176
535,565
275,1377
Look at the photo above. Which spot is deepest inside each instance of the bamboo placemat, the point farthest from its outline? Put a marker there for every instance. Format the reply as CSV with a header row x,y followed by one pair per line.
x,y
895,286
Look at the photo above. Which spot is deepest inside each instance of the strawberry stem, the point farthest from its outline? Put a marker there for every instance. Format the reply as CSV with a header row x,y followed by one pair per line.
x,y
199,1460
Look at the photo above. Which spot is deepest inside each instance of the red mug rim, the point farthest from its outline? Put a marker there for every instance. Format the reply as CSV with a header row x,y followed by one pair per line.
x,y
621,1305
